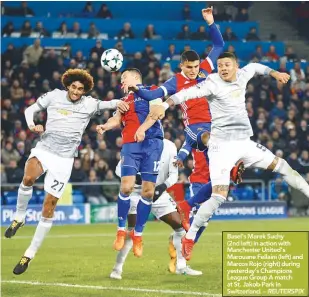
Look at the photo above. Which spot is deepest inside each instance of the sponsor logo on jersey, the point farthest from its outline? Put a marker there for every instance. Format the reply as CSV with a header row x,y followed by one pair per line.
x,y
201,74
64,112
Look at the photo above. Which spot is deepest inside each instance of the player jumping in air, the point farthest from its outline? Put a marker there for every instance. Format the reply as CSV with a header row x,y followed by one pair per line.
x,y
164,208
195,113
230,134
141,152
68,113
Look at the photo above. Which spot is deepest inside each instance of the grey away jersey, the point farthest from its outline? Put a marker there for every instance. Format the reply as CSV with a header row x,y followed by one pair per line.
x,y
226,101
67,121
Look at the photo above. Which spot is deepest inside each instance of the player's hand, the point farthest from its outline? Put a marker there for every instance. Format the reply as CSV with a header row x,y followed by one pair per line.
x,y
282,77
159,191
37,129
207,15
157,112
139,135
133,88
101,129
122,106
178,163
128,88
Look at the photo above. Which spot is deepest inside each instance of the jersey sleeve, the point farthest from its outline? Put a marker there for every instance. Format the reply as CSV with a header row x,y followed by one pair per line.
x,y
184,151
95,106
218,44
45,100
172,169
207,65
155,101
205,88
149,94
170,86
255,68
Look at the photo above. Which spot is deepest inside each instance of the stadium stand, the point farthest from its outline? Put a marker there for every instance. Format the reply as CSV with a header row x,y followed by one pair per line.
x,y
40,41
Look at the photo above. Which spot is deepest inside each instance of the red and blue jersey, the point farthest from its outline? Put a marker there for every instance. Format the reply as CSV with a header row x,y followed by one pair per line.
x,y
200,172
135,117
196,110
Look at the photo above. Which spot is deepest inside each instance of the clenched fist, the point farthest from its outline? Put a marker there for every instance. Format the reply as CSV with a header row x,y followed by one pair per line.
x,y
101,129
37,129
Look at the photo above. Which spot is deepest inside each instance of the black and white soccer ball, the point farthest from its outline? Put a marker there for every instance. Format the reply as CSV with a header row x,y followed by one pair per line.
x,y
111,60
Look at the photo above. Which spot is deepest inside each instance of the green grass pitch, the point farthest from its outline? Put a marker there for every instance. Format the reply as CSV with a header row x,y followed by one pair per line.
x,y
83,256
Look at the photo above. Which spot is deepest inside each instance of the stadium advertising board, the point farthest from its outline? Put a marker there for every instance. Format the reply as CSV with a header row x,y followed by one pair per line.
x,y
107,213
64,214
85,214
250,210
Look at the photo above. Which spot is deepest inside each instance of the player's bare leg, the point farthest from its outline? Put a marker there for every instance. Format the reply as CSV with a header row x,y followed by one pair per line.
x,y
33,169
185,207
123,253
177,262
126,188
41,231
143,211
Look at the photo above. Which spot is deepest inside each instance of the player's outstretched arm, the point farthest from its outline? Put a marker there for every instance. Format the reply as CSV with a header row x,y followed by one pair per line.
x,y
205,88
168,88
183,154
112,123
114,104
216,38
257,68
280,76
29,114
146,94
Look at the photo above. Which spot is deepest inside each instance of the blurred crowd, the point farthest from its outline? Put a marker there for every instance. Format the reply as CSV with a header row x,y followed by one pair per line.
x,y
227,13
279,114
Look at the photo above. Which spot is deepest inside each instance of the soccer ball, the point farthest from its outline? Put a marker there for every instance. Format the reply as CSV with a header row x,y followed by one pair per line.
x,y
111,60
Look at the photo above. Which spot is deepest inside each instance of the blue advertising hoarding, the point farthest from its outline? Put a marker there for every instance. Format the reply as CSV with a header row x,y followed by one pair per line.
x,y
251,210
82,214
64,214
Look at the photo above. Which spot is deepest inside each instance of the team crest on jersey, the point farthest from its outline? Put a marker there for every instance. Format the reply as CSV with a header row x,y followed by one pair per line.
x,y
201,74
64,112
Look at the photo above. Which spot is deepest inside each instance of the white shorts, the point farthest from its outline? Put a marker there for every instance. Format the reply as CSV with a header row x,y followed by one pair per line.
x,y
224,154
58,170
163,206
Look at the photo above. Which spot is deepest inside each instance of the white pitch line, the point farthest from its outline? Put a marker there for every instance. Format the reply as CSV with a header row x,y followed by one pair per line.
x,y
111,288
95,235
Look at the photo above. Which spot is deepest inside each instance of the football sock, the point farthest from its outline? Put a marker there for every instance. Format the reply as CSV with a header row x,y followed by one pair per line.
x,y
23,197
200,231
177,236
292,177
123,253
123,210
204,213
41,231
143,211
